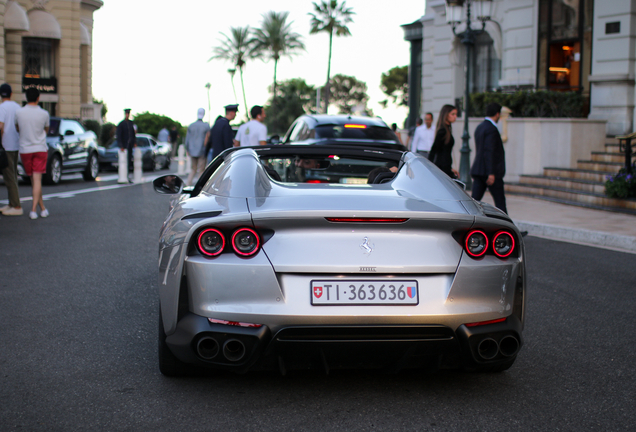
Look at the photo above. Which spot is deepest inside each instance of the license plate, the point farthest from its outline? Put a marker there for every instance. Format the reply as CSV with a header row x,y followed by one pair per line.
x,y
364,292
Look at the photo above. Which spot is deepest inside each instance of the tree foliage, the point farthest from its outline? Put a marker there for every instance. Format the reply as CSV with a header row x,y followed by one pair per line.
x,y
292,99
275,39
395,84
150,123
347,93
92,125
107,134
330,17
236,49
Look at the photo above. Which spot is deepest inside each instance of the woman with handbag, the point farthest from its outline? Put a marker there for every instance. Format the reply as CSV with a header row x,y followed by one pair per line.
x,y
442,149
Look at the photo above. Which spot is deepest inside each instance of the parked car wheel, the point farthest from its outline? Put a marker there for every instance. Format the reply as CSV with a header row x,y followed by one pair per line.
x,y
53,171
169,365
92,168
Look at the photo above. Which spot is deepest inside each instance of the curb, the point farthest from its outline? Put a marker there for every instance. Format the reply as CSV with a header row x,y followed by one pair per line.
x,y
582,236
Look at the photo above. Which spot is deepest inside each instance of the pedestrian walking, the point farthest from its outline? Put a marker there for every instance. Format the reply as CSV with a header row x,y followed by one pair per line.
x,y
254,132
11,144
174,138
441,153
221,136
411,135
164,135
32,123
195,145
424,136
126,138
397,134
489,166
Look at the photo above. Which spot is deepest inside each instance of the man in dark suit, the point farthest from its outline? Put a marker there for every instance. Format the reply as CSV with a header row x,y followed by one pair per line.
x,y
489,166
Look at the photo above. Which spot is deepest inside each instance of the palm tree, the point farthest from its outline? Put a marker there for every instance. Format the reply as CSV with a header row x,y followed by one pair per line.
x,y
236,49
275,39
330,17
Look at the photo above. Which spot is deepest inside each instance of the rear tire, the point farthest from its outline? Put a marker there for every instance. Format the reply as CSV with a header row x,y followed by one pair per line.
x,y
92,168
169,365
53,171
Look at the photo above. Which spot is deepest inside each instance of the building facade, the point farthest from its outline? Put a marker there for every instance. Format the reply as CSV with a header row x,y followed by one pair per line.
x,y
586,46
47,44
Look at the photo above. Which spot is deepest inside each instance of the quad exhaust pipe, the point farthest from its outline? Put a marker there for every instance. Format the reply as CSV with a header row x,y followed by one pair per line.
x,y
488,348
508,346
234,350
208,348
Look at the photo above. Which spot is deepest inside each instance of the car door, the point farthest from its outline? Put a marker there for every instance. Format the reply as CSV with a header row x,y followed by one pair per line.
x,y
71,134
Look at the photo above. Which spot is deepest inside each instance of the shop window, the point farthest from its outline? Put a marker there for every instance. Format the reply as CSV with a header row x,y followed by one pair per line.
x,y
38,58
486,66
564,36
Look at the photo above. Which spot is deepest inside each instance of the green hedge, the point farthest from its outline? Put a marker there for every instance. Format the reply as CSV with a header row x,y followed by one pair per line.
x,y
532,103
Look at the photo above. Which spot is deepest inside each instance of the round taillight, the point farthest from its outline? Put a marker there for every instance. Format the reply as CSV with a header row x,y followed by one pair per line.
x,y
503,244
476,243
211,242
245,241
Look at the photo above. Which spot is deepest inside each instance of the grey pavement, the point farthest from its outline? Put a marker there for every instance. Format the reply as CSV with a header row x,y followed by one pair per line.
x,y
616,231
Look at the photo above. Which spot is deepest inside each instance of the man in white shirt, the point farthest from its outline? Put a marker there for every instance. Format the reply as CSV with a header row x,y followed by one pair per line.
x,y
11,144
32,123
424,136
254,132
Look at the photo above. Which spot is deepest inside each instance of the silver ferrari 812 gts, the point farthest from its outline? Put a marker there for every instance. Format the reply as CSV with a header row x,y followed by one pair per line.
x,y
335,256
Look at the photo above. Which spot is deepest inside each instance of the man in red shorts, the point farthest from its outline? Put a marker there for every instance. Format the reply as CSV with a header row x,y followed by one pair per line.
x,y
32,122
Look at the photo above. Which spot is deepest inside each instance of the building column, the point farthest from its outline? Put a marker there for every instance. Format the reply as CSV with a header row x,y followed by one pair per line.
x,y
414,34
612,80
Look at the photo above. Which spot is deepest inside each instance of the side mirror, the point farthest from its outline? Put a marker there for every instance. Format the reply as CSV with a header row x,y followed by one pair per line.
x,y
460,183
168,185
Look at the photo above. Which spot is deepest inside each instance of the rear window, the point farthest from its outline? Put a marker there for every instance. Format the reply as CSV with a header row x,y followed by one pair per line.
x,y
355,132
331,169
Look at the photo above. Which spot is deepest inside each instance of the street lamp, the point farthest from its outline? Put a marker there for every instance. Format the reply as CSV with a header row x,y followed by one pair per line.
x,y
207,86
455,14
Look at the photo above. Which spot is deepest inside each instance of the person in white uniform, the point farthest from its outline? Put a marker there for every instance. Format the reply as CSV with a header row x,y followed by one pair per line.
x,y
254,132
424,136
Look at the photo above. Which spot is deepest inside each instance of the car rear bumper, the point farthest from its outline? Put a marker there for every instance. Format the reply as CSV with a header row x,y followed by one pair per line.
x,y
198,342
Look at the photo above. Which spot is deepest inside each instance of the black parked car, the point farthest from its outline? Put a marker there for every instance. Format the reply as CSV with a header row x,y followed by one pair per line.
x,y
72,149
342,129
154,155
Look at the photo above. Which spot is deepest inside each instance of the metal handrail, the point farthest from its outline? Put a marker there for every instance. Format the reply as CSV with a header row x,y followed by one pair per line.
x,y
627,149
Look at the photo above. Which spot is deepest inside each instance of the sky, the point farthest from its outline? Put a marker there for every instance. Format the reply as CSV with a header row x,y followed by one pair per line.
x,y
153,56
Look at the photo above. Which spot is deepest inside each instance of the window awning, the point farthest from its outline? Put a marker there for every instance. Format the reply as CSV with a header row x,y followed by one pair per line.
x,y
43,25
85,35
15,17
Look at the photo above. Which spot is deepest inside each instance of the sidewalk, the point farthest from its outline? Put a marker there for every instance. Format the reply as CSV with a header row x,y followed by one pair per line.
x,y
597,228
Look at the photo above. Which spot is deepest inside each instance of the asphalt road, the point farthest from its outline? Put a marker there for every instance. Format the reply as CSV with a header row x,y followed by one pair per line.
x,y
78,324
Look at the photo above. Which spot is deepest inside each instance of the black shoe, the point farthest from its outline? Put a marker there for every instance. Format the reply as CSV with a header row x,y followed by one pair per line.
x,y
524,233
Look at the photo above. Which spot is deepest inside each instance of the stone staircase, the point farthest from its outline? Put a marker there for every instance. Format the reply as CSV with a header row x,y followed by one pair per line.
x,y
583,186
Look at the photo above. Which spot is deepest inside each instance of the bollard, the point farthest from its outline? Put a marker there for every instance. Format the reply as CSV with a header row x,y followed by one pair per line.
x,y
182,160
123,166
137,165
188,164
